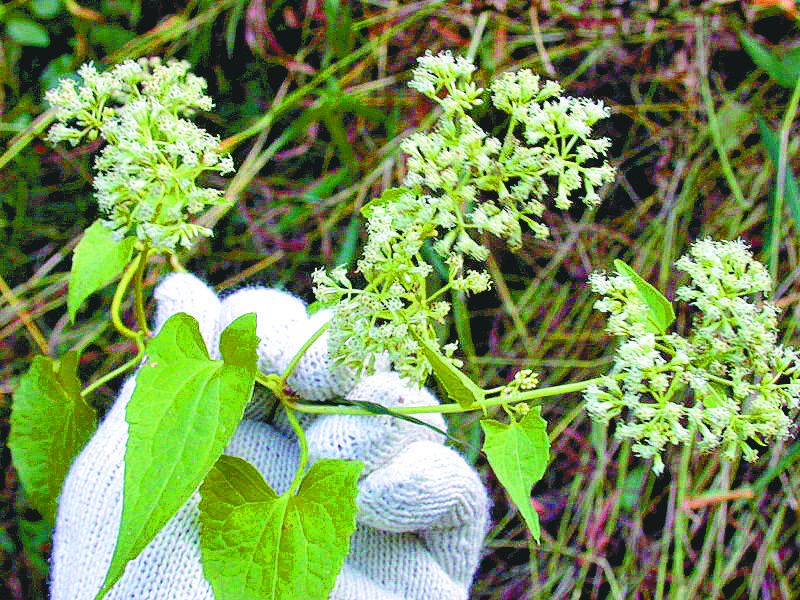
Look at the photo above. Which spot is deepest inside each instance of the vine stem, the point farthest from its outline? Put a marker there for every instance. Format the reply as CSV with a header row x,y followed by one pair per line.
x,y
301,440
119,370
176,264
303,349
138,292
451,408
116,303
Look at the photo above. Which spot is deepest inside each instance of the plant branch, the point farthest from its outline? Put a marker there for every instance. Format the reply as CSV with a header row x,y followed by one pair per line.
x,y
451,408
303,349
118,371
301,440
116,303
138,293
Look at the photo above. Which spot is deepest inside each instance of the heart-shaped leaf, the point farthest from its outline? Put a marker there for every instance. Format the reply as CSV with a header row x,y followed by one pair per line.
x,y
184,410
257,545
518,453
50,424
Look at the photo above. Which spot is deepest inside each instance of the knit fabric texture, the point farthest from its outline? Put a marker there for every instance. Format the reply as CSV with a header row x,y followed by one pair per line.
x,y
422,511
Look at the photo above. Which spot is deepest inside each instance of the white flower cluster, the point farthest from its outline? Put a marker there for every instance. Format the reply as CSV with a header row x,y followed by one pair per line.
x,y
621,300
461,182
502,184
147,171
728,384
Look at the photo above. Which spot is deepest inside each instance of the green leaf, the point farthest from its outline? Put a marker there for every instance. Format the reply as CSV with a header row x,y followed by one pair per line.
x,y
715,397
27,32
36,538
661,314
50,424
379,409
349,243
734,119
782,71
631,493
232,25
261,546
519,453
387,197
455,382
45,9
97,261
57,69
110,37
183,412
324,188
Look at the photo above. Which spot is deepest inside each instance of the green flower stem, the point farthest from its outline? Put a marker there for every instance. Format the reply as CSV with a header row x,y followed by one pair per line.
x,y
175,264
452,408
677,588
132,363
301,440
303,349
116,303
138,293
507,145
445,288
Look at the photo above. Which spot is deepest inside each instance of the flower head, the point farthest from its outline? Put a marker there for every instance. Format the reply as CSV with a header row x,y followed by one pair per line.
x,y
728,384
146,171
461,182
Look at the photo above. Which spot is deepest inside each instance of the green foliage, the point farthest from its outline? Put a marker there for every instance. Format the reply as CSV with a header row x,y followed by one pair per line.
x,y
728,383
45,9
661,314
783,70
183,412
257,545
98,259
561,334
340,24
456,384
50,423
519,453
27,32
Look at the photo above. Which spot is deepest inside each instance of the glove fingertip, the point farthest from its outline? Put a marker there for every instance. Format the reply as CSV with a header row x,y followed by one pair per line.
x,y
183,292
278,316
317,376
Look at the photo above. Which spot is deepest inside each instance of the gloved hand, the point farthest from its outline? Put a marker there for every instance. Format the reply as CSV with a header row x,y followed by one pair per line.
x,y
422,511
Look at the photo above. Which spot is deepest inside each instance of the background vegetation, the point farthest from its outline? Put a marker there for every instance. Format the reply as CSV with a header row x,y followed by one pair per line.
x,y
311,99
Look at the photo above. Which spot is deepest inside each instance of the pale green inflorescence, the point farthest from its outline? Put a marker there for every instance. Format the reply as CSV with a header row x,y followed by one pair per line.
x,y
461,182
728,383
147,171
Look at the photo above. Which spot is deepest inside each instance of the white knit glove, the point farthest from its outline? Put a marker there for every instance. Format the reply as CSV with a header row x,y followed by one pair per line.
x,y
422,511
